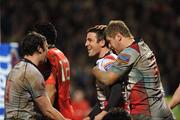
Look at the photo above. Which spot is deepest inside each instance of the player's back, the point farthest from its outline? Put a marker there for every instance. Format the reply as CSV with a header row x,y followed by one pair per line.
x,y
59,64
147,94
61,72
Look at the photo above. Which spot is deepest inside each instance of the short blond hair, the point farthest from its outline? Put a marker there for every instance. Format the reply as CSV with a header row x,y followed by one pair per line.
x,y
117,26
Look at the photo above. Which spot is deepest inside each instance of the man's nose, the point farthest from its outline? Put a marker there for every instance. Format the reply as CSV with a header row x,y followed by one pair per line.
x,y
86,44
109,45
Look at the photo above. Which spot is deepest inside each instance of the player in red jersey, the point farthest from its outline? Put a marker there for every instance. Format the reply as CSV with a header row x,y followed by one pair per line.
x,y
58,83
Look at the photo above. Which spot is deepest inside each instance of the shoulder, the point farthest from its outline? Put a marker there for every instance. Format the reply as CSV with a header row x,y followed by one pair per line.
x,y
128,56
55,53
111,56
107,61
32,70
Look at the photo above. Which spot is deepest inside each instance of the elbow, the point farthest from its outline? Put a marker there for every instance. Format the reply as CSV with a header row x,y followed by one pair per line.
x,y
46,110
109,78
107,82
46,113
52,96
54,92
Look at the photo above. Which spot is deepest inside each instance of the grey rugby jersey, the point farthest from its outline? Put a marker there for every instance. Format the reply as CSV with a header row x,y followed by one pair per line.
x,y
24,84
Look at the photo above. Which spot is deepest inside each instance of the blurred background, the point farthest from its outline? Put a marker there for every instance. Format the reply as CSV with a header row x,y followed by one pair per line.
x,y
156,21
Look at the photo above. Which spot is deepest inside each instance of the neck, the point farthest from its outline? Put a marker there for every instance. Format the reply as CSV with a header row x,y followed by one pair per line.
x,y
51,46
33,58
103,52
128,42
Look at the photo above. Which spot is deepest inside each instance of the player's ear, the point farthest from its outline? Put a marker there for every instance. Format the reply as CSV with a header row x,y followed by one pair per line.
x,y
118,36
40,50
102,42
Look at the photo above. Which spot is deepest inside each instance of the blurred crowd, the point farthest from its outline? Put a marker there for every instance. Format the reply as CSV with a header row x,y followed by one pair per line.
x,y
156,21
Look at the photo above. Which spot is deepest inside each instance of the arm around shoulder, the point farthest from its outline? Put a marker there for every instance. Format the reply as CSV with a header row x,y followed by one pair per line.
x,y
107,78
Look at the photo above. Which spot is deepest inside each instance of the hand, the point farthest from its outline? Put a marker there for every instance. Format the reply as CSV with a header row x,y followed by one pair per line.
x,y
101,27
100,115
95,69
99,61
100,64
87,118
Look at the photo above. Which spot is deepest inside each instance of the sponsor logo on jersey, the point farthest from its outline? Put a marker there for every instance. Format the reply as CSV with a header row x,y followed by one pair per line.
x,y
123,58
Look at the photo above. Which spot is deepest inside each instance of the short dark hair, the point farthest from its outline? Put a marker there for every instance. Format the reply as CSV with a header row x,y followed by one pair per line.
x,y
117,114
48,30
99,30
29,45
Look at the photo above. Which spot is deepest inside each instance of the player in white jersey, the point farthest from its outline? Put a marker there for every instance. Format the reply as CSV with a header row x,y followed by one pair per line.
x,y
98,47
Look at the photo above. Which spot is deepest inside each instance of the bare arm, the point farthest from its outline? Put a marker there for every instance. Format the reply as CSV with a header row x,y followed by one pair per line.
x,y
51,87
47,109
175,99
100,115
107,78
51,91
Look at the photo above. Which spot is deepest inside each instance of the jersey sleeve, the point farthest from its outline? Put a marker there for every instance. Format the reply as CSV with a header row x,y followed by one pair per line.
x,y
99,63
105,63
54,62
118,101
35,82
124,62
95,111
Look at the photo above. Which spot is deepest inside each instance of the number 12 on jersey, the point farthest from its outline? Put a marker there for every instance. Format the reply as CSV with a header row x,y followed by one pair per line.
x,y
65,71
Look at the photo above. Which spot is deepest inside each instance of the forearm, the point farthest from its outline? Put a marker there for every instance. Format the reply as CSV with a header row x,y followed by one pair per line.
x,y
96,110
51,91
101,115
116,90
100,75
53,114
175,99
107,78
47,109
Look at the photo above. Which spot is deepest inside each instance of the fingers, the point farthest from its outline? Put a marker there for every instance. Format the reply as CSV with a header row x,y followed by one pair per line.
x,y
101,27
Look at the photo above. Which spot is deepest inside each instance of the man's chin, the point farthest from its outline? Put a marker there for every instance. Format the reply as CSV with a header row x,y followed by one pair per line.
x,y
44,61
90,55
93,55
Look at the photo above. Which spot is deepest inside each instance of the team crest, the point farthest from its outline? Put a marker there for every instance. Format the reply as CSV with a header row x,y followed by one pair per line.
x,y
123,58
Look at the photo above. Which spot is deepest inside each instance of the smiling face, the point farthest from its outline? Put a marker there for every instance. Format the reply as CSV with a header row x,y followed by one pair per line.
x,y
92,44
